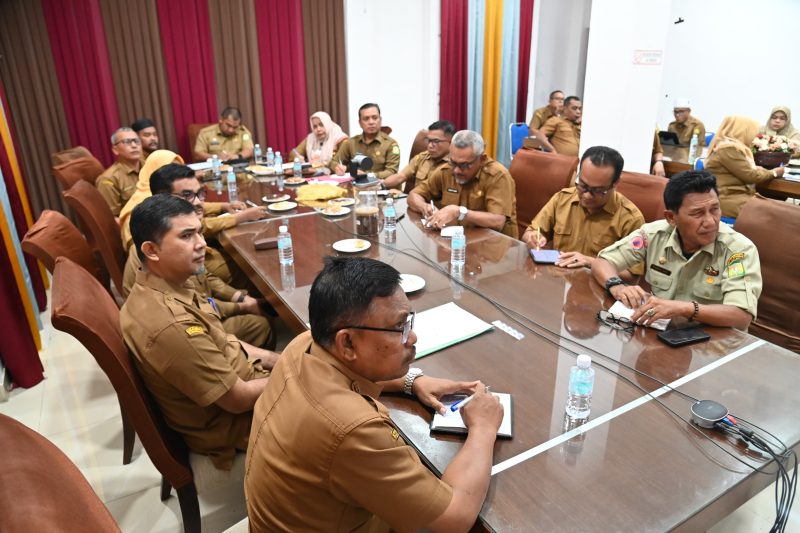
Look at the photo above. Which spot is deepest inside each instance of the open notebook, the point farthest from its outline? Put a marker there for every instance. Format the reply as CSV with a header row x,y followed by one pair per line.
x,y
453,423
444,326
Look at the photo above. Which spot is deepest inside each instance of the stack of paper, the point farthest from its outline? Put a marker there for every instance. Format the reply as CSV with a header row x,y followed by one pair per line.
x,y
620,310
445,325
453,423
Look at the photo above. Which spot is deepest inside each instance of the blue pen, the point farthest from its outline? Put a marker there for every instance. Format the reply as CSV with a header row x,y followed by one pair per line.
x,y
461,403
213,304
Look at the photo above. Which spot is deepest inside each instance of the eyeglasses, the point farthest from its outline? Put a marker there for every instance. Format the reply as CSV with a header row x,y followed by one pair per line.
x,y
465,165
128,142
435,142
616,322
189,196
594,191
405,330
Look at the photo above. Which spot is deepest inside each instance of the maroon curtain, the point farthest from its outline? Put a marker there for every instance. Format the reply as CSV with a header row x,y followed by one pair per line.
x,y
283,75
453,63
525,29
78,43
189,61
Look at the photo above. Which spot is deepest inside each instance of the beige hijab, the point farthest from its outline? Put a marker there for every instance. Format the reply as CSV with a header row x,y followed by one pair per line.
x,y
789,131
735,131
328,144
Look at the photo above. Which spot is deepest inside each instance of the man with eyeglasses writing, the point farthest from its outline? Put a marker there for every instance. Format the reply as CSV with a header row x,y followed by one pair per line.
x,y
583,219
424,163
118,182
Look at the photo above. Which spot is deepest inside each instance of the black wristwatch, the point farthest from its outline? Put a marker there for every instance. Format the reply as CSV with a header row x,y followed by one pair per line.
x,y
613,282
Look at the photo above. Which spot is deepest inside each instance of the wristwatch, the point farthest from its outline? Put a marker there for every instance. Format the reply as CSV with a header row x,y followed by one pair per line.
x,y
613,282
462,213
413,373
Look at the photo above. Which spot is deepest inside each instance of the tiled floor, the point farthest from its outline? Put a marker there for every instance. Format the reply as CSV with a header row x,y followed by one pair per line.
x,y
76,408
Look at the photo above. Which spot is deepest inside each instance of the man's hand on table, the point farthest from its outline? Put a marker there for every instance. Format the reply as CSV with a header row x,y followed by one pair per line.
x,y
442,217
429,390
250,214
574,260
630,295
483,413
231,207
340,169
250,305
655,308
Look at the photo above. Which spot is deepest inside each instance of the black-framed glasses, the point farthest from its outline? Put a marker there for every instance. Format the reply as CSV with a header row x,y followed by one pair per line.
x,y
465,165
435,142
405,330
616,322
128,142
189,196
594,191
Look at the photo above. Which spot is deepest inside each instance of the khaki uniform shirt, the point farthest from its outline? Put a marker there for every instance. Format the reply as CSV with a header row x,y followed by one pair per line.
x,y
686,130
540,116
737,177
188,362
727,271
117,184
492,190
422,166
324,455
383,150
212,141
564,135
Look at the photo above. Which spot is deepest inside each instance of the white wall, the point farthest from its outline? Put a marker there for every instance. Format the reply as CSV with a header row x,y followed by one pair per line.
x,y
392,53
731,57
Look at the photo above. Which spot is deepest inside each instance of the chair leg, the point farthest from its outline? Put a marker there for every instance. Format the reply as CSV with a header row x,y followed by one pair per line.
x,y
128,437
166,489
190,508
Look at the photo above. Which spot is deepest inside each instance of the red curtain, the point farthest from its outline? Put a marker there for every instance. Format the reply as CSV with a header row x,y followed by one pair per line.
x,y
189,61
80,53
453,62
283,76
525,29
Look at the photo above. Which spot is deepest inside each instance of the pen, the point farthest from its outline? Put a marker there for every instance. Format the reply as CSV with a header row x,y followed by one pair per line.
x,y
251,204
538,236
401,217
461,403
213,304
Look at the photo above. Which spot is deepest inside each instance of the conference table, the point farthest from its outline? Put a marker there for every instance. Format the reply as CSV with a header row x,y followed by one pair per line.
x,y
637,464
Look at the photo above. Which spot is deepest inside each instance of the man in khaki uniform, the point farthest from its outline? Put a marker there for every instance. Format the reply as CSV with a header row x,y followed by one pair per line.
x,y
198,374
696,268
562,135
146,130
382,149
685,125
582,220
472,189
553,108
324,455
118,182
227,139
424,163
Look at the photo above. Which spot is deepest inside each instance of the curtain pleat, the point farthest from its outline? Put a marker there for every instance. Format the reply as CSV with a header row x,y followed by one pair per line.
x,y
453,73
34,99
525,31
78,43
326,71
475,65
493,47
234,36
507,102
137,65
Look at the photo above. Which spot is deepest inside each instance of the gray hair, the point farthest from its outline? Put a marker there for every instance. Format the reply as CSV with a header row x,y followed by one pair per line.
x,y
114,139
469,139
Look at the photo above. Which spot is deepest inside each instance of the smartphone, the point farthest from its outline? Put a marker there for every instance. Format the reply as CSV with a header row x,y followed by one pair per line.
x,y
548,257
682,337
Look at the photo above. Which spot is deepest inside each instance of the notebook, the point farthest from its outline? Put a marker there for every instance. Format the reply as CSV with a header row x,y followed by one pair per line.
x,y
453,423
444,326
620,310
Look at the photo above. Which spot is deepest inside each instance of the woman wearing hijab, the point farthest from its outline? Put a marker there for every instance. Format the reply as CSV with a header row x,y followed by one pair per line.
x,y
154,161
780,123
320,145
730,159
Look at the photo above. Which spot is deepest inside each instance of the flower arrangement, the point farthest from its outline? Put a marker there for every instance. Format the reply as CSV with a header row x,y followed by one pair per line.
x,y
773,143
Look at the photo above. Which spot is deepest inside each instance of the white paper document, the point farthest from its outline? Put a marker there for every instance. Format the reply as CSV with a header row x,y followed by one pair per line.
x,y
620,310
453,423
445,325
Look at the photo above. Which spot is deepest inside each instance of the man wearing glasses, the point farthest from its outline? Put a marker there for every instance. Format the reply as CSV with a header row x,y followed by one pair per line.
x,y
424,163
685,125
583,219
472,189
324,455
118,182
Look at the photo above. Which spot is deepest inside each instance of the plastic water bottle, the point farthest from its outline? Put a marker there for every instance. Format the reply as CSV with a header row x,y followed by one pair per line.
x,y
285,251
270,157
693,147
458,247
278,163
389,217
233,194
214,161
581,383
297,168
215,166
257,154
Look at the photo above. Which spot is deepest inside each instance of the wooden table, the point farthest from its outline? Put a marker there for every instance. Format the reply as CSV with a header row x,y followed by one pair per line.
x,y
636,467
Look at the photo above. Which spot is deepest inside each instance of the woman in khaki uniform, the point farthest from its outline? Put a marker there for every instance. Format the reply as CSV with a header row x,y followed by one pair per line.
x,y
730,159
780,123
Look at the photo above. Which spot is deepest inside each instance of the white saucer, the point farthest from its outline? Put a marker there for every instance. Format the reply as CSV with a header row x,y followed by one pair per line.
x,y
275,198
352,245
344,201
411,283
336,211
282,206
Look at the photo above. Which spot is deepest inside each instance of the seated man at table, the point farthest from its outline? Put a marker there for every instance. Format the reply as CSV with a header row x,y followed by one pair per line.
x,y
554,107
696,268
471,189
146,130
204,380
685,125
424,163
118,182
372,142
357,473
228,139
562,135
583,219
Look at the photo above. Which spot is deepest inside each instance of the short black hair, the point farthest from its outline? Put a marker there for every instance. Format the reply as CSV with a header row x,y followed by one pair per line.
x,y
367,106
161,180
152,219
445,126
342,293
603,156
231,112
142,123
569,100
687,182
554,93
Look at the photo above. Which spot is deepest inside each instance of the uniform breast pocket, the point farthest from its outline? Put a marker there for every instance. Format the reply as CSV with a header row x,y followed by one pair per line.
x,y
658,281
562,228
378,160
449,197
206,307
708,292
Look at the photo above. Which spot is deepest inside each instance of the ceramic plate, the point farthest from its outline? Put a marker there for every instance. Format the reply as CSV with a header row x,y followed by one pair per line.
x,y
342,201
336,211
351,245
294,181
282,206
272,198
411,283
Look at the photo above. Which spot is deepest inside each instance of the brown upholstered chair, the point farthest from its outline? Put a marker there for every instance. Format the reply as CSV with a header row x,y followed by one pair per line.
x,y
419,145
104,230
538,176
646,191
192,130
69,154
41,489
778,316
75,170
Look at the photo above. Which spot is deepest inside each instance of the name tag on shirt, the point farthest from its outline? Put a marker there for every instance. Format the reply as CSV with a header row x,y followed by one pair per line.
x,y
661,269
450,189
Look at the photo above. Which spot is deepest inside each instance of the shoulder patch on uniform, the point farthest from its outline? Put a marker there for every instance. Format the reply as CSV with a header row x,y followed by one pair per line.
x,y
735,270
246,137
738,256
639,240
191,331
395,150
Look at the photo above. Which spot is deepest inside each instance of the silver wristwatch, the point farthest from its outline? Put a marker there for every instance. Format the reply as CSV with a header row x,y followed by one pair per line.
x,y
462,213
413,373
